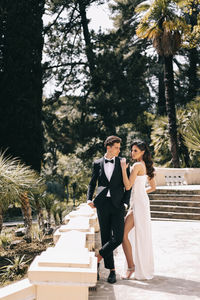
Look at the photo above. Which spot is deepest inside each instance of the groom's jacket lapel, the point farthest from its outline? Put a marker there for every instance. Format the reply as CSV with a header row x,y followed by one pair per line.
x,y
115,169
102,169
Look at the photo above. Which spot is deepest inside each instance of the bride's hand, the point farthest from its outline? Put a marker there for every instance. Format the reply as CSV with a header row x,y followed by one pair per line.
x,y
123,163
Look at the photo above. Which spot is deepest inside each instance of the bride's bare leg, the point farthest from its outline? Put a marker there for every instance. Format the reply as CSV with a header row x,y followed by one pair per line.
x,y
129,224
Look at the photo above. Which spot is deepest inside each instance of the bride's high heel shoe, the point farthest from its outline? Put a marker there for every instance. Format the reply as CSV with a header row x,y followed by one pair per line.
x,y
129,272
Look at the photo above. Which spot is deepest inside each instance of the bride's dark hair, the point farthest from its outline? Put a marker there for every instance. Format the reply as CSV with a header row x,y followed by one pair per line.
x,y
146,157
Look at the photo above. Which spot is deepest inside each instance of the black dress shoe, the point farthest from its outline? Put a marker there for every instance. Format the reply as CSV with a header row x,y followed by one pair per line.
x,y
112,277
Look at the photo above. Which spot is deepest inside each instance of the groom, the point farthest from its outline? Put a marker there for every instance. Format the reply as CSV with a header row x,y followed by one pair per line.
x,y
109,202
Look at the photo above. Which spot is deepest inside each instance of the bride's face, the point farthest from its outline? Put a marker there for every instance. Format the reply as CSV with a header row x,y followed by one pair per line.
x,y
136,153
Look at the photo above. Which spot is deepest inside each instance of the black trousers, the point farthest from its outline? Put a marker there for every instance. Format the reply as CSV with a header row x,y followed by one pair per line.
x,y
111,222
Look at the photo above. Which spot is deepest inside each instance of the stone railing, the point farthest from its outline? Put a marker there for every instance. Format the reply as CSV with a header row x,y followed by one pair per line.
x,y
67,270
177,176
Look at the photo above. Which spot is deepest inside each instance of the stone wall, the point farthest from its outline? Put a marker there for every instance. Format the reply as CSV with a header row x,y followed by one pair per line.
x,y
188,176
67,270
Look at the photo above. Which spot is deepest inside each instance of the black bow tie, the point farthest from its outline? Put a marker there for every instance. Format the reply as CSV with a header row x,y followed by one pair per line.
x,y
110,161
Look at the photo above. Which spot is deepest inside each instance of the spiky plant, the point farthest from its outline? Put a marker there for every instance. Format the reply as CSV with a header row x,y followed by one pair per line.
x,y
160,140
5,240
16,266
191,133
16,181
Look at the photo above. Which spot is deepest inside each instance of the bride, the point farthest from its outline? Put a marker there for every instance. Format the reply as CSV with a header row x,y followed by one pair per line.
x,y
137,240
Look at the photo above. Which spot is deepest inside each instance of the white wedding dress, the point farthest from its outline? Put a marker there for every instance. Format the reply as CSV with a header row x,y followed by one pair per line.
x,y
140,236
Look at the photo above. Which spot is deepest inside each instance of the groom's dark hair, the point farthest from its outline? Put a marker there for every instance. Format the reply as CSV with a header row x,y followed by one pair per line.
x,y
111,140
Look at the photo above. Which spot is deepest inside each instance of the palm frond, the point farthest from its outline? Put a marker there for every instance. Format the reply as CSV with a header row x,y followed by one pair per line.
x,y
191,133
16,178
142,7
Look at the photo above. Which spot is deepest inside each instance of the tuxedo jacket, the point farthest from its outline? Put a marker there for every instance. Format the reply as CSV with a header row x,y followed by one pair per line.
x,y
115,185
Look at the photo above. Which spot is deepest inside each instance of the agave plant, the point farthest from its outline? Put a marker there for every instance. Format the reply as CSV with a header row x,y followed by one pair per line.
x,y
16,181
16,266
5,240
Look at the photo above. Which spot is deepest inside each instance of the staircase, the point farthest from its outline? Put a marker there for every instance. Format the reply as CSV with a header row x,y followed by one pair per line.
x,y
174,203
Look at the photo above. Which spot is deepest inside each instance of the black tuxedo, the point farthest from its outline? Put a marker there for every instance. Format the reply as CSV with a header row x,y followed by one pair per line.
x,y
115,185
110,210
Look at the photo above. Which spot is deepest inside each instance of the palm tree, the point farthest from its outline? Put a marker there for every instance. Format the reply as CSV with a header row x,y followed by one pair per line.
x,y
164,27
16,180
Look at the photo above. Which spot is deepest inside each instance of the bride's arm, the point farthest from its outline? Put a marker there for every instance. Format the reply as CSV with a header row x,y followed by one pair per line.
x,y
152,186
128,182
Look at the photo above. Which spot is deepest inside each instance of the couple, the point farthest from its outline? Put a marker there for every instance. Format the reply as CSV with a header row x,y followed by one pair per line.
x,y
114,189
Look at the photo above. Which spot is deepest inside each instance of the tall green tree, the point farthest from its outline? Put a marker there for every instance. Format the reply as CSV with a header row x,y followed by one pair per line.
x,y
191,9
21,44
104,86
164,27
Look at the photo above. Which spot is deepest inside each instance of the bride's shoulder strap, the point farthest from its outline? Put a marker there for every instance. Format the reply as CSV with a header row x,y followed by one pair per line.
x,y
135,166
138,165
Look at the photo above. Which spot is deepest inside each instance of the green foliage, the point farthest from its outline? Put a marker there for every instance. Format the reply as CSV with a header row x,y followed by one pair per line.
x,y
111,89
189,157
162,24
17,266
191,133
37,233
77,171
15,179
58,210
5,240
160,142
48,201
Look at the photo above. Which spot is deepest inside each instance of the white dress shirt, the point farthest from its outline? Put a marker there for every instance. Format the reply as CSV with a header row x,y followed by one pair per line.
x,y
108,169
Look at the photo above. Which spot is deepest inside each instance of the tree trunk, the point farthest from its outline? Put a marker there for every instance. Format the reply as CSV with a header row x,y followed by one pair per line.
x,y
26,208
48,218
170,108
21,80
192,74
67,194
161,89
86,34
193,59
1,219
40,213
60,216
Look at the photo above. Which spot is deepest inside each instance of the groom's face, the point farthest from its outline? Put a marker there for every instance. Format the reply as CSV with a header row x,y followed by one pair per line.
x,y
114,150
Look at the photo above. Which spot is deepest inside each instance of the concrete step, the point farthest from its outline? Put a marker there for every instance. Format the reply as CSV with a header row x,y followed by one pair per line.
x,y
178,190
176,220
175,215
175,203
179,209
176,197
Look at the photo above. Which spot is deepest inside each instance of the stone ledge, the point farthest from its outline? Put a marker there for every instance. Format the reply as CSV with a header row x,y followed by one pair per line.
x,y
21,290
